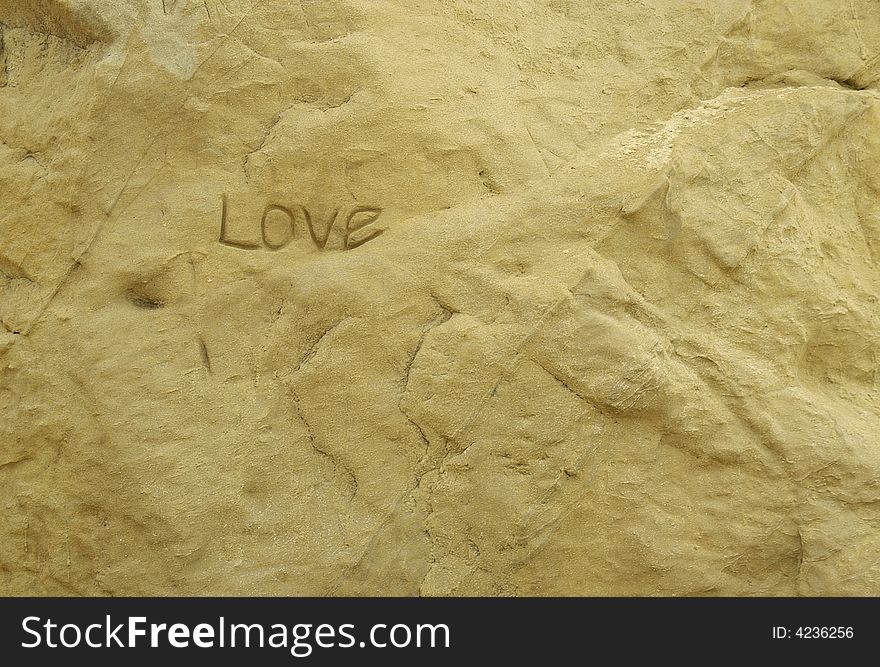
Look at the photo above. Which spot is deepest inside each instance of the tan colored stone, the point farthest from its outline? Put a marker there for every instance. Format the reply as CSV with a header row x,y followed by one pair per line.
x,y
612,329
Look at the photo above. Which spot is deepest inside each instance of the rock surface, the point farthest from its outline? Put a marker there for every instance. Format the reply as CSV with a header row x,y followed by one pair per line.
x,y
439,297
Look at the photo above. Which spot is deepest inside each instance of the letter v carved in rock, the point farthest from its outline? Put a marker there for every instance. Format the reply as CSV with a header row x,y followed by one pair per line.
x,y
322,241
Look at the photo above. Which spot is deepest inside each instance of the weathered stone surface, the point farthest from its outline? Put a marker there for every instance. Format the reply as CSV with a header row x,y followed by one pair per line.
x,y
459,297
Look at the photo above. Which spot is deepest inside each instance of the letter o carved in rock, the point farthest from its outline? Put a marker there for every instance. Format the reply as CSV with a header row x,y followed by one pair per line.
x,y
290,229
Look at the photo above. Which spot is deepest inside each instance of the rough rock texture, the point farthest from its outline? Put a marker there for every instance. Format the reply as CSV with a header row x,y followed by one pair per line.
x,y
440,297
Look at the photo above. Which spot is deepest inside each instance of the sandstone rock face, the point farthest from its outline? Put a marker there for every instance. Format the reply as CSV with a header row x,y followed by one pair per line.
x,y
439,297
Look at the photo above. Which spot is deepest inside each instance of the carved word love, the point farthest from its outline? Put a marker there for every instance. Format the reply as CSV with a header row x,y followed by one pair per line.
x,y
357,219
